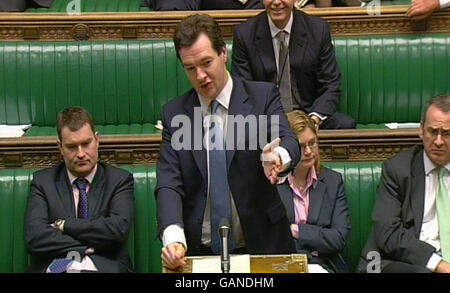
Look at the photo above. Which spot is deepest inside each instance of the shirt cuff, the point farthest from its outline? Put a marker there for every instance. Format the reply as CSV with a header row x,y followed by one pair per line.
x,y
321,117
445,3
172,234
294,230
433,262
284,155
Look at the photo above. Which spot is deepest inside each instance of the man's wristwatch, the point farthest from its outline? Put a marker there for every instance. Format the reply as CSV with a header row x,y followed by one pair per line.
x,y
60,224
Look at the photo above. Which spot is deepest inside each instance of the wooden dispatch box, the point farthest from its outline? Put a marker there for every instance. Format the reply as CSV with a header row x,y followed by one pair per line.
x,y
286,263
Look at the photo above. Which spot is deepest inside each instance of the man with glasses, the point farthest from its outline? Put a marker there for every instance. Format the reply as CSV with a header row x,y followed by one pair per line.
x,y
411,230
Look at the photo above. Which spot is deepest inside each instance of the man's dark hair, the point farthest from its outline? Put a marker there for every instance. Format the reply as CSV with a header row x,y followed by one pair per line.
x,y
74,118
442,102
189,29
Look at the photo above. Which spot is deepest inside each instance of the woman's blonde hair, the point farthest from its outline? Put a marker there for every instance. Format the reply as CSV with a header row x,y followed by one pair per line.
x,y
299,121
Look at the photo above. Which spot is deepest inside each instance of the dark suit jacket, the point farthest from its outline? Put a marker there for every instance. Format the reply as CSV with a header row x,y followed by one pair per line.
x,y
205,4
328,220
181,190
315,75
398,212
110,216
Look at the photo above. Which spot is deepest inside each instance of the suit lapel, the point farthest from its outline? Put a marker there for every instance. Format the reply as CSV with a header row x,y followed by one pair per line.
x,y
316,195
239,105
96,189
65,192
199,155
417,190
297,42
286,195
264,47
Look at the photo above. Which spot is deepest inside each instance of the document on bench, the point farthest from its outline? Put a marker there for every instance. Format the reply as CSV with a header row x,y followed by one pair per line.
x,y
238,264
396,125
13,130
317,269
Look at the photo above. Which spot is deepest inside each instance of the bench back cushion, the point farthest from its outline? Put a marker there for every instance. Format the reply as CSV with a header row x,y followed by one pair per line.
x,y
384,79
92,6
361,180
389,78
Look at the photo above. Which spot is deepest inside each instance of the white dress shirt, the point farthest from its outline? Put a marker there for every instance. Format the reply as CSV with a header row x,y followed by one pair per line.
x,y
445,3
429,232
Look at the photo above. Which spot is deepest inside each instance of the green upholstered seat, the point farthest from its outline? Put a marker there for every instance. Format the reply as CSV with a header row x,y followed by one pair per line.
x,y
361,181
94,6
385,78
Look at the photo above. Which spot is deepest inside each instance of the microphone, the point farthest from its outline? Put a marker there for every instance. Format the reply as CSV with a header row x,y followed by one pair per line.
x,y
224,232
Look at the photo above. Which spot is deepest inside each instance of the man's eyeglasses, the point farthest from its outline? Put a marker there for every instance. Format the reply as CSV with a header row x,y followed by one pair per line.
x,y
445,134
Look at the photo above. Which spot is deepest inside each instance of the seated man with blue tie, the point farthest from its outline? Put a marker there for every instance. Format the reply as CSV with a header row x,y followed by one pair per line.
x,y
81,209
411,227
211,168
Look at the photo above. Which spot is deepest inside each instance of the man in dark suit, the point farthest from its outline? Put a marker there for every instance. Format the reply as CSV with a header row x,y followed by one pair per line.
x,y
307,73
411,230
80,207
188,187
182,5
21,5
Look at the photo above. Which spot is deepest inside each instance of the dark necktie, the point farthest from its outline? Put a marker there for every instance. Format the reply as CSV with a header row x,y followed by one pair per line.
x,y
82,185
219,190
284,76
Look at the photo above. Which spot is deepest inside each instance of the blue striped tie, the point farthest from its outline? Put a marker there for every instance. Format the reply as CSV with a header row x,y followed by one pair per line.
x,y
219,190
82,185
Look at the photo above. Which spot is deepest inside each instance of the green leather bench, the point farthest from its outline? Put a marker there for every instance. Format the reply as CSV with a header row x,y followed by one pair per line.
x,y
124,84
94,6
361,180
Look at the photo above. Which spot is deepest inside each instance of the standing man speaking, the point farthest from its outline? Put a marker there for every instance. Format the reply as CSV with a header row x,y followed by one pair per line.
x,y
198,186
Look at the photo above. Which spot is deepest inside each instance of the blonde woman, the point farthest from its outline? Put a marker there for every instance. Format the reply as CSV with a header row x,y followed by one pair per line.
x,y
315,200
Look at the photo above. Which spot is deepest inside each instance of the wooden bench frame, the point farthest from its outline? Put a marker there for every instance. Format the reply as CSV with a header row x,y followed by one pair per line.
x,y
150,25
336,145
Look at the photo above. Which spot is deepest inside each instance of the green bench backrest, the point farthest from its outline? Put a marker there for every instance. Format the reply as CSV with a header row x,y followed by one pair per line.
x,y
389,78
384,79
361,180
93,6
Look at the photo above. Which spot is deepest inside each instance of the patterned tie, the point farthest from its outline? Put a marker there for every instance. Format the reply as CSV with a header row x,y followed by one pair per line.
x,y
82,185
59,265
443,212
284,76
219,191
